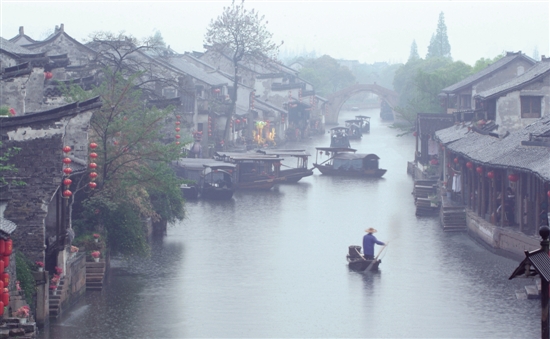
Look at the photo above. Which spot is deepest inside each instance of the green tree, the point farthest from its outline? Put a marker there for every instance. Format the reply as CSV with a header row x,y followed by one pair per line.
x,y
484,62
134,178
439,43
326,75
413,55
243,36
419,83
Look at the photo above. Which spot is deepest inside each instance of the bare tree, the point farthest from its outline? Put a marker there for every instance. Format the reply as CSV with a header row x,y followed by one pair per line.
x,y
239,34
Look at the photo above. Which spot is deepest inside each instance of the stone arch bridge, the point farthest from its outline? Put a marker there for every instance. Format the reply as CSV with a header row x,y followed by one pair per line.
x,y
336,100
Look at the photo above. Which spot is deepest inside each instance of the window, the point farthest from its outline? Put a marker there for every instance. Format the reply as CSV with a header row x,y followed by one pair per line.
x,y
169,92
530,107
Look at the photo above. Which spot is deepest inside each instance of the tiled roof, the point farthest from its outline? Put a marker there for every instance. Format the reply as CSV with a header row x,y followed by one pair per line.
x,y
486,71
504,151
540,69
10,47
213,79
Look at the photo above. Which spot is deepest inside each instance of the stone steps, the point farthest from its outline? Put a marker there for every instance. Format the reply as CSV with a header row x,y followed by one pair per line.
x,y
95,275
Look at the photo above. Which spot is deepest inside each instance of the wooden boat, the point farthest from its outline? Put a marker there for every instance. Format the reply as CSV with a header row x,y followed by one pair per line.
x,y
364,122
339,137
345,162
253,171
355,130
206,178
292,174
357,262
217,181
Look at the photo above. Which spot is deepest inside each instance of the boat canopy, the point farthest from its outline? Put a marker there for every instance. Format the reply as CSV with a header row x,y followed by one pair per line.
x,y
285,152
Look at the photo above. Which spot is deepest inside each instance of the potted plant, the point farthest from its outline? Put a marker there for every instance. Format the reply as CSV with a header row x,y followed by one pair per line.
x,y
22,313
96,237
40,266
53,288
95,255
58,270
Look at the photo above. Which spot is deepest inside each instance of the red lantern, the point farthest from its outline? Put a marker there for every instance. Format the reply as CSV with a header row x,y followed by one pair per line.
x,y
415,133
455,160
548,194
67,149
1,282
1,308
9,247
2,246
92,185
238,121
513,177
479,169
12,111
6,260
217,90
490,174
178,129
93,145
67,182
6,294
177,122
2,271
177,136
178,117
67,194
93,155
92,165
177,142
48,75
67,170
469,165
93,175
67,161
6,279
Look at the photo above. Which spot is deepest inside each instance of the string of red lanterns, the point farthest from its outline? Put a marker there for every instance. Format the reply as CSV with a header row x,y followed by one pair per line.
x,y
92,166
6,249
67,171
178,117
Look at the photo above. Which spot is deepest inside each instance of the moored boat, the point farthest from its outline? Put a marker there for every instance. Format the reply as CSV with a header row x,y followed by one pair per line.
x,y
355,130
339,136
357,262
364,122
292,174
253,170
217,181
206,178
345,162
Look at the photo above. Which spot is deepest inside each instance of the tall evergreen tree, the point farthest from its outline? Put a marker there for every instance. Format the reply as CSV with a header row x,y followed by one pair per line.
x,y
413,55
439,43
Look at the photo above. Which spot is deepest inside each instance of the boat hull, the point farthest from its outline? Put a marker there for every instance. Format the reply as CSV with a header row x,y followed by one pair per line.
x,y
328,170
359,264
292,176
216,193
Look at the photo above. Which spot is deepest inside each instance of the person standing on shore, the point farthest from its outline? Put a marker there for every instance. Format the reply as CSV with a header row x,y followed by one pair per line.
x,y
369,240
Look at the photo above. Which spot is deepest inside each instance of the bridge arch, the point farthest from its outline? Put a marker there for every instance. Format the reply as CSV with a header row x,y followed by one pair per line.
x,y
336,100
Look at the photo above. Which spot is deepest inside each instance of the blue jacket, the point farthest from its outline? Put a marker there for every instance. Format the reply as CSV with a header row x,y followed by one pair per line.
x,y
368,244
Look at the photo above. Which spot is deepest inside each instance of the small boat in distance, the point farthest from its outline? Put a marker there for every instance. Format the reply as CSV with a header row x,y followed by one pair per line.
x,y
355,130
291,174
339,137
345,162
364,123
357,262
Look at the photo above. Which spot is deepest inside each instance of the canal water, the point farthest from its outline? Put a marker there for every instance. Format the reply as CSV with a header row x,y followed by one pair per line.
x,y
272,264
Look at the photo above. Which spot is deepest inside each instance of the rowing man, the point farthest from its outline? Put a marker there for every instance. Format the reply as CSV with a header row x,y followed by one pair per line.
x,y
368,243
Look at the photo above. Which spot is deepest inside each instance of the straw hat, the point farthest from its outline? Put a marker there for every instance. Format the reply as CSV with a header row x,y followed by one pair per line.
x,y
371,230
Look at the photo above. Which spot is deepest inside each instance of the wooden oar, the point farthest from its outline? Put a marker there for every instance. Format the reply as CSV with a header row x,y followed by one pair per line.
x,y
376,258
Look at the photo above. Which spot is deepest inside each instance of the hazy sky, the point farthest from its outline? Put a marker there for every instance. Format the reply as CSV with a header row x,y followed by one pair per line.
x,y
367,31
